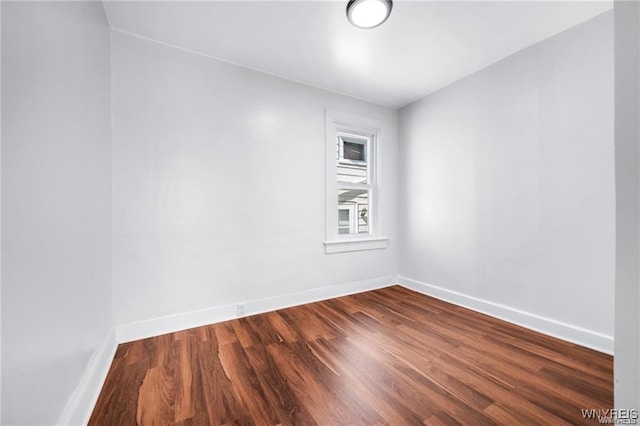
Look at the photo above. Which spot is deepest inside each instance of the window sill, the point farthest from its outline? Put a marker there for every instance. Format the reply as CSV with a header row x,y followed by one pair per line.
x,y
355,244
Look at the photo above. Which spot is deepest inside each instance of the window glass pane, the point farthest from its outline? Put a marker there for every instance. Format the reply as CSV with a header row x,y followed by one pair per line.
x,y
352,173
353,211
344,221
354,151
352,161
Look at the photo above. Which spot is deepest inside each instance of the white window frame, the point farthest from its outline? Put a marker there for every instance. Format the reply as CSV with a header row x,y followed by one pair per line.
x,y
341,124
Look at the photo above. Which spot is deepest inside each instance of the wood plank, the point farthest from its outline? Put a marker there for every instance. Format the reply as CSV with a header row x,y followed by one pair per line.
x,y
389,356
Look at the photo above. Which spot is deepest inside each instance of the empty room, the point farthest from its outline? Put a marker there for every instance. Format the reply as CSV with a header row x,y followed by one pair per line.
x,y
320,212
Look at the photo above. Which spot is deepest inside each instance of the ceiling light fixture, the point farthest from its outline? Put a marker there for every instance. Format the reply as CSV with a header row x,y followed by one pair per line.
x,y
368,13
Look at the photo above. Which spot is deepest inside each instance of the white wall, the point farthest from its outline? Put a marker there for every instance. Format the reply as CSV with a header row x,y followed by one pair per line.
x,y
56,191
507,200
627,143
219,186
0,209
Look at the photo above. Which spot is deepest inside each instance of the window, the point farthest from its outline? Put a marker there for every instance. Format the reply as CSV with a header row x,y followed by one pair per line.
x,y
346,220
353,187
352,150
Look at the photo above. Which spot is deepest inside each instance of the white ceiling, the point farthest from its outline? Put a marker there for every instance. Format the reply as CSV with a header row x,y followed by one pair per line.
x,y
421,48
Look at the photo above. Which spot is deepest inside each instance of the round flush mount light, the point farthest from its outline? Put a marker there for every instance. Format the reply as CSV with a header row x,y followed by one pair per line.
x,y
368,13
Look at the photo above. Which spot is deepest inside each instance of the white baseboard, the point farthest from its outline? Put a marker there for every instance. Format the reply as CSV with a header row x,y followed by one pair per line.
x,y
172,323
85,396
571,333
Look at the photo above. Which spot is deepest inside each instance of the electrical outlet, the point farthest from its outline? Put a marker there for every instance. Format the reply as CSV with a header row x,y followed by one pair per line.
x,y
240,309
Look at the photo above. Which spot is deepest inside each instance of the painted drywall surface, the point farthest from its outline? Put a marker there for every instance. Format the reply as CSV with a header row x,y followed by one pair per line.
x,y
508,181
0,208
56,192
627,144
218,184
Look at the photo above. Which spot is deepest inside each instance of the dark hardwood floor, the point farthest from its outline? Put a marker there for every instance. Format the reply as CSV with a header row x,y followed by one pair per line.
x,y
390,356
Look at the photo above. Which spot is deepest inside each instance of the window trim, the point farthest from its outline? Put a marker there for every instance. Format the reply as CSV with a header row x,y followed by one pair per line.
x,y
337,124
